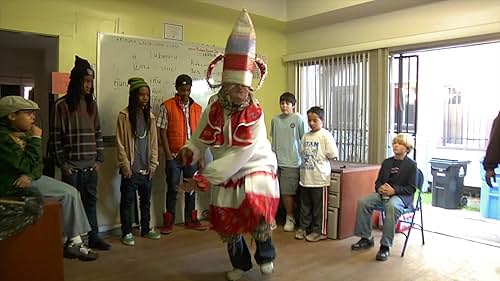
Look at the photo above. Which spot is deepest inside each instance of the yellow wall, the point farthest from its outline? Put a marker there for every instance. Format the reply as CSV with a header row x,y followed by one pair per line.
x,y
76,23
428,23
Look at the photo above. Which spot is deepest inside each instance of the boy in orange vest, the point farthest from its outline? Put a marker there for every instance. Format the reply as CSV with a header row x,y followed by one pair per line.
x,y
178,118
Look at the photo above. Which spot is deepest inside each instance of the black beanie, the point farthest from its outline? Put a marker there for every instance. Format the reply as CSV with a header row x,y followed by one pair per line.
x,y
82,67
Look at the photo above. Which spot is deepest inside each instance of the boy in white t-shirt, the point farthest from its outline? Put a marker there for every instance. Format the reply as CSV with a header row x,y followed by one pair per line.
x,y
318,147
287,130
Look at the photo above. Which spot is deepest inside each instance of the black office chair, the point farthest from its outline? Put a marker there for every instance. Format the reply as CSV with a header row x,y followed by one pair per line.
x,y
410,212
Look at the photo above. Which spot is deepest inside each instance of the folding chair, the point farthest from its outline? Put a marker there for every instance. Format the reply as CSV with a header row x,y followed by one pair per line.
x,y
410,224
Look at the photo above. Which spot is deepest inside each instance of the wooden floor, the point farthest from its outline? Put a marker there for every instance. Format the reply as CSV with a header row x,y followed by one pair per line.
x,y
188,255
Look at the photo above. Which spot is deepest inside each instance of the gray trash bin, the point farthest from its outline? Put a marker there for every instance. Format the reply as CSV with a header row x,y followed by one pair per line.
x,y
448,183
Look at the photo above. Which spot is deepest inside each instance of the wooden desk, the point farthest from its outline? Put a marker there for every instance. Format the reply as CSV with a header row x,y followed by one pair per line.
x,y
35,254
356,181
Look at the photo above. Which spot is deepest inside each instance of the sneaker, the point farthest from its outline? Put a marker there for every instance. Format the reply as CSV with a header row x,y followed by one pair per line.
x,y
79,251
363,243
151,235
315,237
234,274
289,224
99,244
267,268
128,240
300,234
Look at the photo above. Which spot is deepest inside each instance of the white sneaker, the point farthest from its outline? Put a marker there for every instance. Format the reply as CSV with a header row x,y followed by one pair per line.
x,y
267,268
300,234
234,274
289,224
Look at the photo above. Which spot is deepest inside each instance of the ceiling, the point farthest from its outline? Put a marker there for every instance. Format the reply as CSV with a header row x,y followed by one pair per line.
x,y
305,14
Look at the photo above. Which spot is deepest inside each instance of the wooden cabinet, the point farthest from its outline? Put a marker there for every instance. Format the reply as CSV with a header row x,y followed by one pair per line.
x,y
36,253
349,182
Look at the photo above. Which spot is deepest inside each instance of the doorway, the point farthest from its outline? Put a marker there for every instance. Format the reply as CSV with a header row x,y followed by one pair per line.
x,y
27,62
447,99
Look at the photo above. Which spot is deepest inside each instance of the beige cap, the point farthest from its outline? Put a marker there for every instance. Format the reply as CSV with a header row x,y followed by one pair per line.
x,y
11,104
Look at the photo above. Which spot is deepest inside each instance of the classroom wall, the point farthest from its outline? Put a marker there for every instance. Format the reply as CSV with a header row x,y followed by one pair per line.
x,y
428,23
76,24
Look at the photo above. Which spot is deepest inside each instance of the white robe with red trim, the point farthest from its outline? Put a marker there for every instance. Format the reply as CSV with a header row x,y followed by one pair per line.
x,y
244,187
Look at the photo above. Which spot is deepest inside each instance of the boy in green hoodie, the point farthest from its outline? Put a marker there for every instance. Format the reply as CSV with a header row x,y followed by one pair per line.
x,y
21,167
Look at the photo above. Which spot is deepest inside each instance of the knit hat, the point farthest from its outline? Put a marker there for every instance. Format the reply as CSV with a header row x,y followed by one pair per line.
x,y
10,104
182,80
82,67
239,57
136,83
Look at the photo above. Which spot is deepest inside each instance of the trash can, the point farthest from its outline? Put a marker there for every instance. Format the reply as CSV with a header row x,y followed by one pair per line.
x,y
490,196
448,183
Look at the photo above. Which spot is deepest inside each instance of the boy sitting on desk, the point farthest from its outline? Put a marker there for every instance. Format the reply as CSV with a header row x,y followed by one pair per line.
x,y
21,167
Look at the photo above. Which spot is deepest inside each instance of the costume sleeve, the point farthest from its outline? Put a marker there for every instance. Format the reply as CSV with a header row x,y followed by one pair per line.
x,y
235,158
492,157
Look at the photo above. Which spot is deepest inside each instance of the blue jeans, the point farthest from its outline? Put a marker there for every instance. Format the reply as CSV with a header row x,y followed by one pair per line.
x,y
73,217
128,187
173,171
393,209
240,255
85,181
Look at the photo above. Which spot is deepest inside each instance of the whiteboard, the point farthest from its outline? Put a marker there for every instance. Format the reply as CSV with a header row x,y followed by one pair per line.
x,y
158,61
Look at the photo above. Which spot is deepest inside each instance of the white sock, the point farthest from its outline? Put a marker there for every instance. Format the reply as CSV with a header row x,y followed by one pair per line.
x,y
77,240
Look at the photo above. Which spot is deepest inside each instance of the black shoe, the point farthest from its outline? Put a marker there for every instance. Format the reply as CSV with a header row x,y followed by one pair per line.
x,y
99,244
81,252
383,254
362,244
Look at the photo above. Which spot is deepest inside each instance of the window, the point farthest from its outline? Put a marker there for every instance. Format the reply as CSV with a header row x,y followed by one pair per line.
x,y
339,85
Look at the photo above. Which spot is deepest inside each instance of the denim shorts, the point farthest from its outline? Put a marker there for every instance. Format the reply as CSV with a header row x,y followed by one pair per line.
x,y
289,180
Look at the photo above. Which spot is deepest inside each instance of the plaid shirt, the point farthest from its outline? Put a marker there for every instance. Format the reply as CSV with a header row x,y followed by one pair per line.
x,y
76,136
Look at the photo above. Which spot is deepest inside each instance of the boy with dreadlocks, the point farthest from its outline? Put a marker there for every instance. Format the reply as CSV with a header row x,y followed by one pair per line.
x,y
77,142
244,190
137,155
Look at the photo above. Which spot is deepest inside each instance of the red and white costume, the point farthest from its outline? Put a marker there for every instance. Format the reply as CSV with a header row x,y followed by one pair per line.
x,y
244,188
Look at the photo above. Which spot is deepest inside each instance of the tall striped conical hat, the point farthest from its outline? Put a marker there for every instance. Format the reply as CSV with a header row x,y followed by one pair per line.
x,y
239,57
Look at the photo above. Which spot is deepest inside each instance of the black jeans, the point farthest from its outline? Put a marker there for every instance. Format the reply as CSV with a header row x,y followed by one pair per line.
x,y
173,171
240,255
85,180
128,187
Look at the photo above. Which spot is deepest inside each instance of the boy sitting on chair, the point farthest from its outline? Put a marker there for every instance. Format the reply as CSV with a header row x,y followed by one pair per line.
x,y
394,189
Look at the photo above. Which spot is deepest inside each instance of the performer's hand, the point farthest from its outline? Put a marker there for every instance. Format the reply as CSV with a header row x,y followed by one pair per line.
x,y
490,173
188,185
